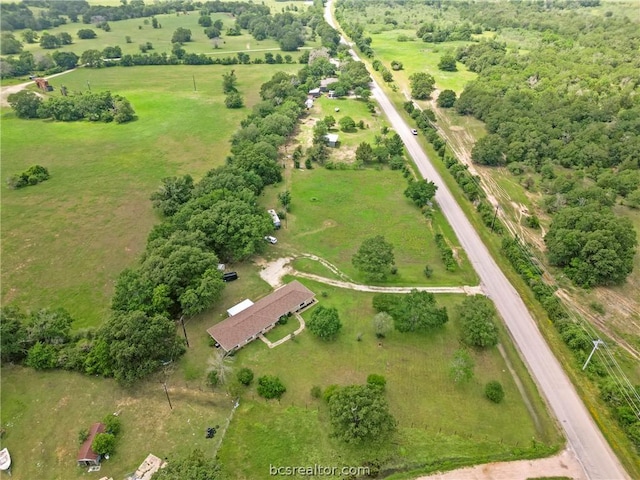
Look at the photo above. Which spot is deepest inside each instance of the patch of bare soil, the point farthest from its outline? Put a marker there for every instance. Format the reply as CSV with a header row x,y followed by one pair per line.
x,y
563,465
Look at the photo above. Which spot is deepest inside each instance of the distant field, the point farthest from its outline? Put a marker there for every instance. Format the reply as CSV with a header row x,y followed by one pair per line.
x,y
418,56
140,31
438,421
66,240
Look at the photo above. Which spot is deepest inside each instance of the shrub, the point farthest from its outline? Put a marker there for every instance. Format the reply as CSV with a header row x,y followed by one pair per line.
x,y
83,435
316,391
234,100
112,423
377,381
329,392
245,376
31,176
494,391
270,386
212,378
104,444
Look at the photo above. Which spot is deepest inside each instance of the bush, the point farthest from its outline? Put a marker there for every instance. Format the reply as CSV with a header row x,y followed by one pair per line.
x,y
377,381
270,386
316,391
234,100
112,423
212,378
83,435
494,391
104,444
31,176
329,392
245,376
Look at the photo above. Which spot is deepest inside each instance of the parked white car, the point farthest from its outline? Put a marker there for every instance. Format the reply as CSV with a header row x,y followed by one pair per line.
x,y
271,239
414,131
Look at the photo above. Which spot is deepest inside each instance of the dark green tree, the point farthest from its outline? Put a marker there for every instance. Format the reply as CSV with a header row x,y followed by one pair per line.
x,y
324,322
270,386
92,58
229,82
66,60
49,41
494,391
347,124
446,99
136,345
422,84
360,414
478,316
421,192
181,35
104,444
592,245
447,63
13,334
245,376
86,34
364,153
25,104
234,100
374,258
488,151
28,36
9,45
418,311
174,192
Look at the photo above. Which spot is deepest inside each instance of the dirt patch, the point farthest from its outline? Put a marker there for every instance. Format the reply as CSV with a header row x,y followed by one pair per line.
x,y
563,465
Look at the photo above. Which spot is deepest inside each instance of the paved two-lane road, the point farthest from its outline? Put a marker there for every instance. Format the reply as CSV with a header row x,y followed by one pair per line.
x,y
586,440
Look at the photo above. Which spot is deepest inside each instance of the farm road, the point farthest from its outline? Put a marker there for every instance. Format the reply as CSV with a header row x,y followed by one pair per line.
x,y
8,90
273,272
584,437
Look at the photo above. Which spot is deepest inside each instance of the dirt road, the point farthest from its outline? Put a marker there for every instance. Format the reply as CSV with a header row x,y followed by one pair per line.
x,y
8,90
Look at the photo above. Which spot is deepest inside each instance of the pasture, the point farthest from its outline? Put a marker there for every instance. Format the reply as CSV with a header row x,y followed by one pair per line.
x,y
439,422
66,240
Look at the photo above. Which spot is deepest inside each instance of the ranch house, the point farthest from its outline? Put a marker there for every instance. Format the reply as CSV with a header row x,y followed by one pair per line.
x,y
260,317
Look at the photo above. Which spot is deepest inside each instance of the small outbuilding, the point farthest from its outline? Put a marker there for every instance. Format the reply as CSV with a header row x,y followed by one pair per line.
x,y
86,456
314,92
332,139
308,103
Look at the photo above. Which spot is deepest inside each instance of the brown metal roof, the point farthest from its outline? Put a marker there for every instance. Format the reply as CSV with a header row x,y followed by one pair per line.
x,y
235,330
85,452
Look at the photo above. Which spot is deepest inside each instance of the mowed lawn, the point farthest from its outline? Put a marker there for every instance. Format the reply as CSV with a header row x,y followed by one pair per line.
x,y
438,420
66,240
333,211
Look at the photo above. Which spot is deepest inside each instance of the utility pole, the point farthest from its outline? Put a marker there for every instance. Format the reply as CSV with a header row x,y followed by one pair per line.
x,y
494,218
596,344
194,83
164,384
184,329
88,85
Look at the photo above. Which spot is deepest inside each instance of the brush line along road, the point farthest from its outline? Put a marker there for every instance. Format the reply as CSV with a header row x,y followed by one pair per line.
x,y
586,440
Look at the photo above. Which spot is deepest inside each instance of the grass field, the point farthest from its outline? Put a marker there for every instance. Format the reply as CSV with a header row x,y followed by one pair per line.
x,y
294,431
43,412
66,240
160,38
324,221
418,56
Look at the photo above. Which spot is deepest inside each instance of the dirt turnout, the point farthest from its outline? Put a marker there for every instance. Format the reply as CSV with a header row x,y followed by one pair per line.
x,y
564,464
